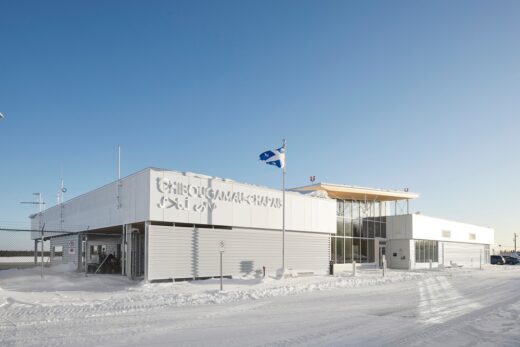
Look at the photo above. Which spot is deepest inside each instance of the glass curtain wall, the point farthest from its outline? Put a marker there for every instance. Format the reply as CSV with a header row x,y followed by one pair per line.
x,y
426,250
358,224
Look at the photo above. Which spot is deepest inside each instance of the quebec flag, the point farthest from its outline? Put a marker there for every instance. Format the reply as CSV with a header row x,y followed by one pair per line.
x,y
275,157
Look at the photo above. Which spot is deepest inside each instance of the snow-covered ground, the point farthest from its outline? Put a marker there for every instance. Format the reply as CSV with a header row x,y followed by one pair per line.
x,y
21,259
448,307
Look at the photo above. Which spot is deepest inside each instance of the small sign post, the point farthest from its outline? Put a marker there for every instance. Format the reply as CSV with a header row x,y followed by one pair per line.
x,y
221,246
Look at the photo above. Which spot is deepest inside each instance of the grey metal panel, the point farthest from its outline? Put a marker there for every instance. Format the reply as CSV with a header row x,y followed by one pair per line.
x,y
169,252
465,254
67,257
186,252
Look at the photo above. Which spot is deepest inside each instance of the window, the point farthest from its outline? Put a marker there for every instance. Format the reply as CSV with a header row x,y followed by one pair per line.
x,y
358,223
446,233
340,228
57,253
371,229
348,209
383,229
364,251
340,208
356,250
355,210
348,250
371,251
377,229
97,252
364,229
426,250
340,250
348,227
377,209
356,227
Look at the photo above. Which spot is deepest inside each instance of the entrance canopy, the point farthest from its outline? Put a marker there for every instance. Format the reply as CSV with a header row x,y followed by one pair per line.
x,y
339,191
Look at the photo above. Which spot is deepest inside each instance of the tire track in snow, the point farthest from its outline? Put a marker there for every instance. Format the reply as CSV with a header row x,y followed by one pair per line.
x,y
139,302
504,297
65,333
441,302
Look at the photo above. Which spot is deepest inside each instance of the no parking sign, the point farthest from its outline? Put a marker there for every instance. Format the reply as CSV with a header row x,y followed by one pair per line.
x,y
72,247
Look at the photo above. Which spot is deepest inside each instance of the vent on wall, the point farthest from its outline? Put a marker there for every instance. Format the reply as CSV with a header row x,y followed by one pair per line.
x,y
472,236
446,233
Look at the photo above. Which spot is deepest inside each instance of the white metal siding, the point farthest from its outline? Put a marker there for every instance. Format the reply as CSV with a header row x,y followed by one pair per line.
x,y
187,253
465,254
99,208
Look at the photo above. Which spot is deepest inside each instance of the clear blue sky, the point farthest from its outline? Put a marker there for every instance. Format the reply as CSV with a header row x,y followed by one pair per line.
x,y
386,94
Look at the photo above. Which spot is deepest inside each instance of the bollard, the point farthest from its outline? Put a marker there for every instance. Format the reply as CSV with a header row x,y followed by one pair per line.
x,y
384,266
263,268
221,277
431,264
354,268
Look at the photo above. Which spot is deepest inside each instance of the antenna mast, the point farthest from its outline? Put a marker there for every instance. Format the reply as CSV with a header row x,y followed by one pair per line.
x,y
38,202
118,162
119,184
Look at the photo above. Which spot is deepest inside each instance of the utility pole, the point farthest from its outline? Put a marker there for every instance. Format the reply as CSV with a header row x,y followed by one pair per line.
x,y
514,239
40,204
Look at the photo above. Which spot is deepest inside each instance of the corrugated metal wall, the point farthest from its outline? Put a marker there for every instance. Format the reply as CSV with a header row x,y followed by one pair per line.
x,y
465,254
72,255
187,252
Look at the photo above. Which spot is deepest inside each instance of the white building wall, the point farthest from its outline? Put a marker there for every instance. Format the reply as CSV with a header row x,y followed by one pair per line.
x,y
399,253
420,227
145,196
429,228
99,208
178,252
215,201
459,243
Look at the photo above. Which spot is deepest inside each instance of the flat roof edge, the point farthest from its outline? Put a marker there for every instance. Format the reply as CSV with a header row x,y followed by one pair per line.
x,y
332,188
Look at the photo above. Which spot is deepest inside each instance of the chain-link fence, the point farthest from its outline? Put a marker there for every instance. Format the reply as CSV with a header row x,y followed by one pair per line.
x,y
24,248
108,251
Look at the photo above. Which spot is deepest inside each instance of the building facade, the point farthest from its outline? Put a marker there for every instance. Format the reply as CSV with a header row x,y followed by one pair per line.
x,y
167,225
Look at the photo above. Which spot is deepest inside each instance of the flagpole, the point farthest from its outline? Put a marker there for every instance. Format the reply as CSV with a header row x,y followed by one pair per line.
x,y
283,212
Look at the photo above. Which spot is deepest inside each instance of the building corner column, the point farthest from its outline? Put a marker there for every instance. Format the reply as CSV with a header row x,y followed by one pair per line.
x,y
146,238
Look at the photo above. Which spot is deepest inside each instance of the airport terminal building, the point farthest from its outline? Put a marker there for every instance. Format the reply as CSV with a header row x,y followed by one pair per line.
x,y
167,225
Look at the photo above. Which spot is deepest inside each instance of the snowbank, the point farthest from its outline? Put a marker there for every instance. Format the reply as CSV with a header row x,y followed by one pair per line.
x,y
63,292
61,286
